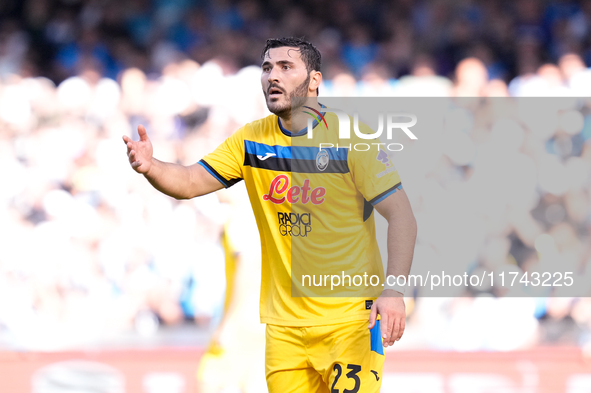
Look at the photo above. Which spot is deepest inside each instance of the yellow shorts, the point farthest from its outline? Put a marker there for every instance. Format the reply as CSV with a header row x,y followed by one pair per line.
x,y
341,358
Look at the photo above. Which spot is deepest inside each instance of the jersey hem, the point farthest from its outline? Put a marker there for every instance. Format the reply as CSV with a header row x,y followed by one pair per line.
x,y
316,321
385,194
214,173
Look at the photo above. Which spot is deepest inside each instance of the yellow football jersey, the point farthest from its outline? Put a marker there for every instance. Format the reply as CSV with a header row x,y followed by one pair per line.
x,y
314,212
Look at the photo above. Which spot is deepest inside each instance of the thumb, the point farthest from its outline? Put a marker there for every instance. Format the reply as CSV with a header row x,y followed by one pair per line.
x,y
141,130
373,315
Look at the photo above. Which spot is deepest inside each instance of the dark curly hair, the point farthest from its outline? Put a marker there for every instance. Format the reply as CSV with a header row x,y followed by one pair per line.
x,y
308,52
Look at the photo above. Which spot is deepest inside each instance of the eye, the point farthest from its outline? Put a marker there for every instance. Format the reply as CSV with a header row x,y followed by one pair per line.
x,y
266,69
286,67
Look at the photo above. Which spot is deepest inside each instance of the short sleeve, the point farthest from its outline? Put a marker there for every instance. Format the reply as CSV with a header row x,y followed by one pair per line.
x,y
374,174
225,162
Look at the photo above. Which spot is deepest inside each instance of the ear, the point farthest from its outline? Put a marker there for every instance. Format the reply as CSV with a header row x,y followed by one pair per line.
x,y
315,80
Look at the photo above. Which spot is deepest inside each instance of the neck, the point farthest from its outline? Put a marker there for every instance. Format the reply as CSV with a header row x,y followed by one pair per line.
x,y
298,119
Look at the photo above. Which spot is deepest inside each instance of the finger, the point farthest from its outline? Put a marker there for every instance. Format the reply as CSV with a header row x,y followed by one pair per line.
x,y
373,314
386,329
395,330
133,157
126,139
141,130
136,164
402,327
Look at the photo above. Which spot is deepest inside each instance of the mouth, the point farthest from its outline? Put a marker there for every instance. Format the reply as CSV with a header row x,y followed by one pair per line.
x,y
275,92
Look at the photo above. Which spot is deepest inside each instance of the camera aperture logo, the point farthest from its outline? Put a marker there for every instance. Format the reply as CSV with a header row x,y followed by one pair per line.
x,y
319,116
392,122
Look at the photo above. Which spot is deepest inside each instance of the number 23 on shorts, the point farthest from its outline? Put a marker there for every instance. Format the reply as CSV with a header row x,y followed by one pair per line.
x,y
354,369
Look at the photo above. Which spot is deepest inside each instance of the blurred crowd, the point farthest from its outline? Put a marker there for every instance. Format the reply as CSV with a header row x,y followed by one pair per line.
x,y
89,248
55,38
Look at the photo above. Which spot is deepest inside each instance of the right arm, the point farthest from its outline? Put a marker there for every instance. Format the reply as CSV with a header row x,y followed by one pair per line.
x,y
175,180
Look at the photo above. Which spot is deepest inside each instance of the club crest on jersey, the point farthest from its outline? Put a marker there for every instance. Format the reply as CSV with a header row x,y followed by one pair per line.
x,y
322,160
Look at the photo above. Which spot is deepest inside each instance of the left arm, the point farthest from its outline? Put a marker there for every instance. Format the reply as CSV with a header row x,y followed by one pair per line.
x,y
402,234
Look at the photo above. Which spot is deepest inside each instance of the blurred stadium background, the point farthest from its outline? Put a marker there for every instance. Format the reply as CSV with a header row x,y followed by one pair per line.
x,y
104,279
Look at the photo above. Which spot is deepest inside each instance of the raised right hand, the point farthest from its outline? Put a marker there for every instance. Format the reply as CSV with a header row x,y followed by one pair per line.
x,y
139,152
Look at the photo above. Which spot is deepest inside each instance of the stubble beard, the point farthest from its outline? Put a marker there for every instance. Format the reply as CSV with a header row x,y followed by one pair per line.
x,y
296,99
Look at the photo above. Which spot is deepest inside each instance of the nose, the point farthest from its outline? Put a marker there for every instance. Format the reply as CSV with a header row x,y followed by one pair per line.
x,y
273,75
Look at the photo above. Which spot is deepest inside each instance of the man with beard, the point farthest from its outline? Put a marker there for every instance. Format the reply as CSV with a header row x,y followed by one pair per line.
x,y
313,343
